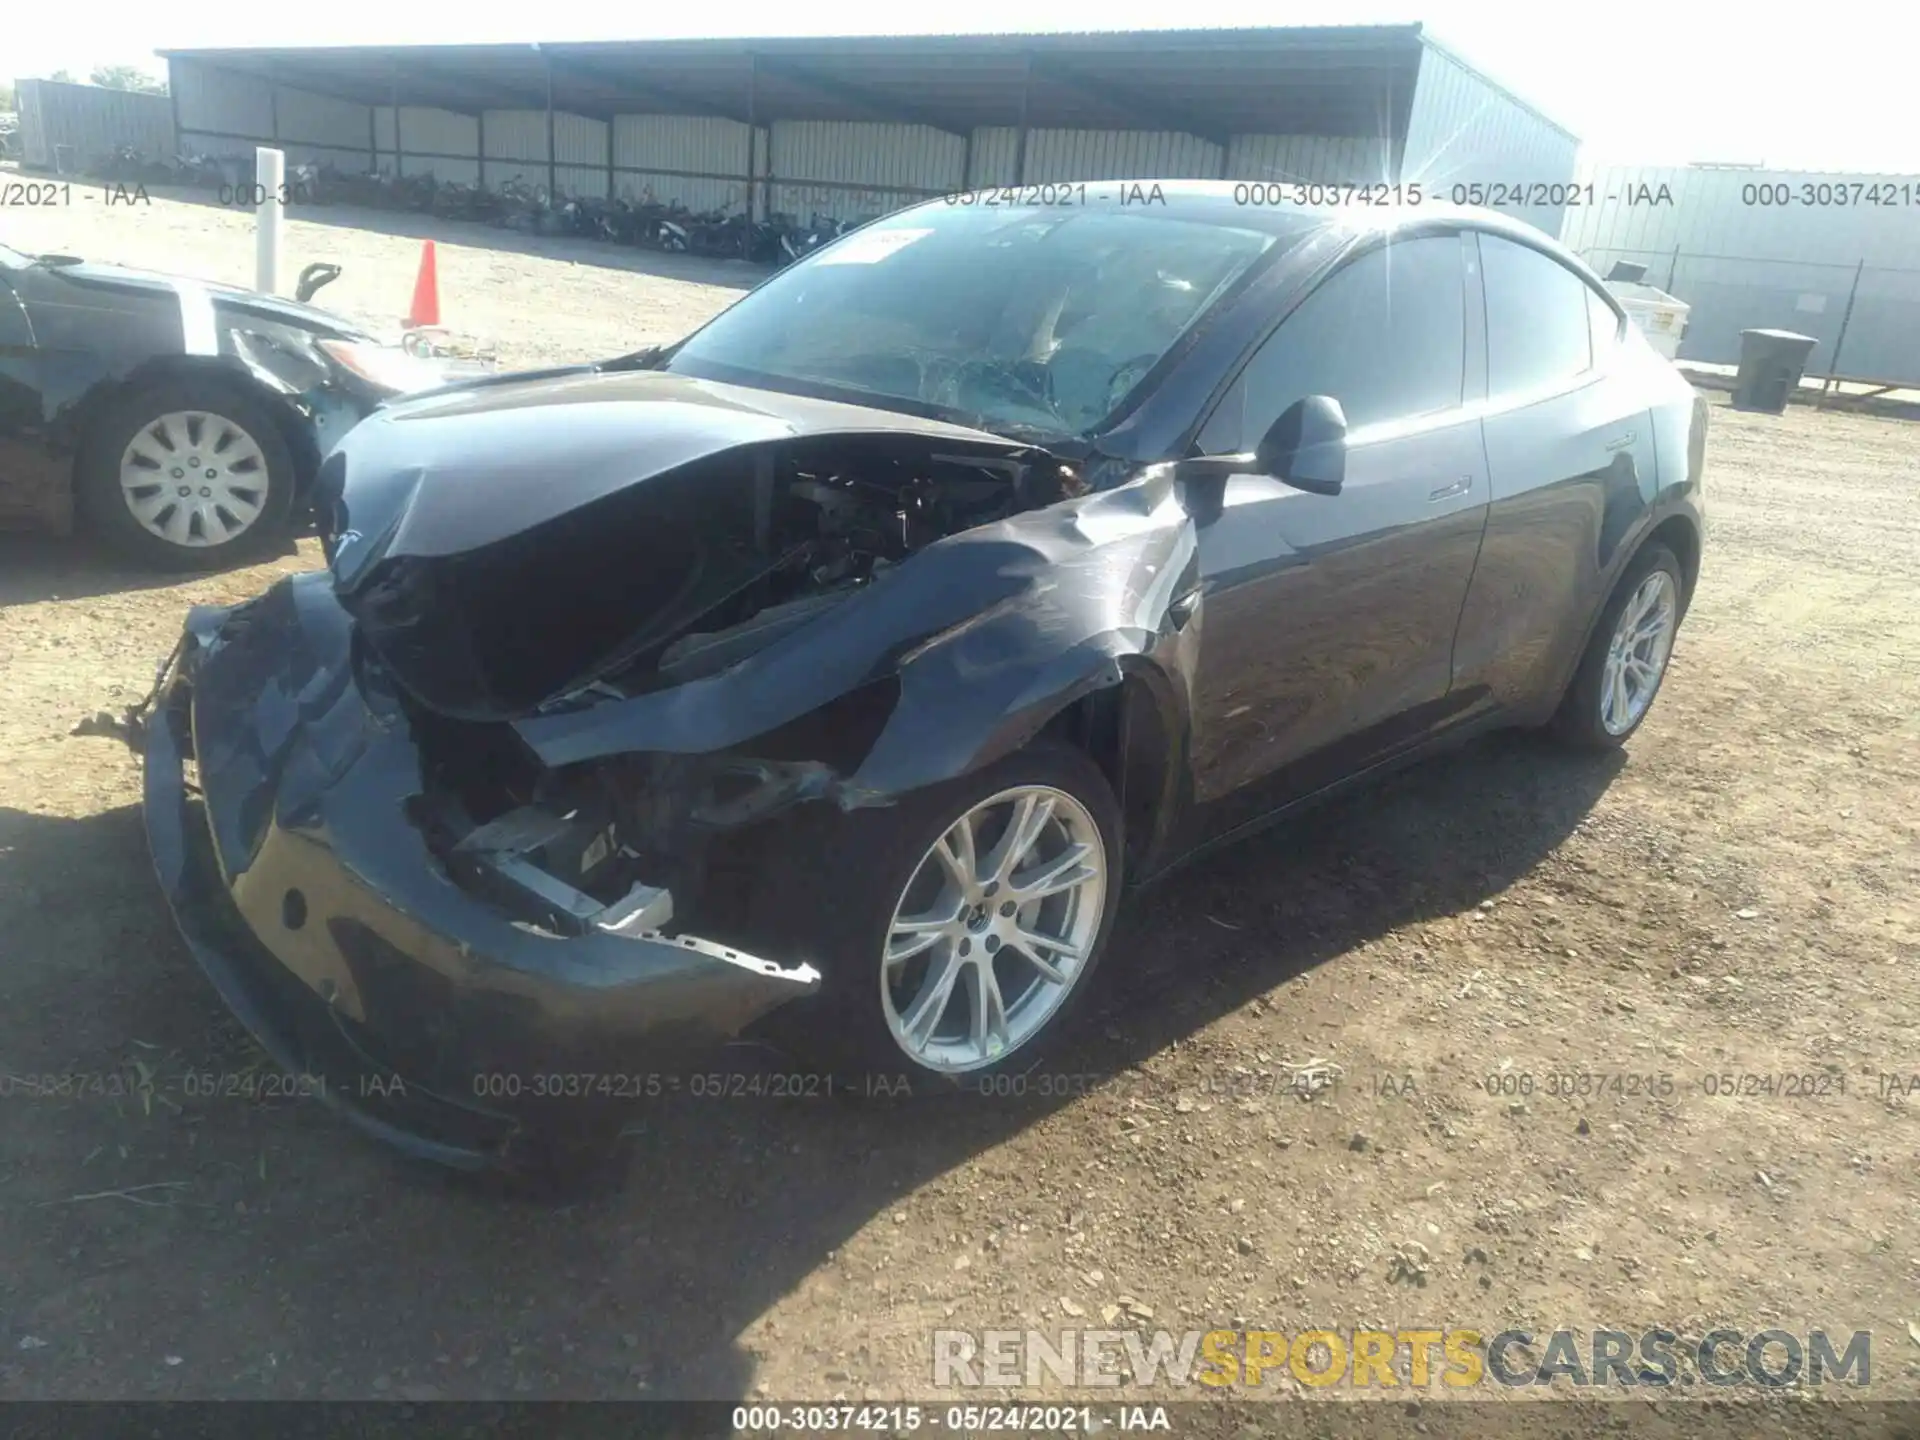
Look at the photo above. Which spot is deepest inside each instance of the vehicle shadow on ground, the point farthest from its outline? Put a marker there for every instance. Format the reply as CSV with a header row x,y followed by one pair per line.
x,y
282,1256
36,568
725,272
39,568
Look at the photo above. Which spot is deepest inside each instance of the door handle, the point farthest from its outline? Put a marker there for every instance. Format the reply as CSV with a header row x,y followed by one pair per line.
x,y
1621,442
1451,488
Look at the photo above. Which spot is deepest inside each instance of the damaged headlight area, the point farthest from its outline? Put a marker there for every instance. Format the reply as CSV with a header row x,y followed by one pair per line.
x,y
385,369
403,904
333,382
636,843
651,591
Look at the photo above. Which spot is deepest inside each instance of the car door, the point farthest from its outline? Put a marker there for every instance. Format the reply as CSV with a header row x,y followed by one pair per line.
x,y
1328,621
1570,456
32,485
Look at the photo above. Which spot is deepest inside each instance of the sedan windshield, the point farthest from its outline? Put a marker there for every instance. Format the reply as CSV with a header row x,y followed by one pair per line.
x,y
1022,320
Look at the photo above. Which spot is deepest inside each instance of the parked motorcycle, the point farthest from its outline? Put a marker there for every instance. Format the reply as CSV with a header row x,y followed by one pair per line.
x,y
207,172
797,242
669,231
596,219
722,234
303,184
763,242
455,201
522,206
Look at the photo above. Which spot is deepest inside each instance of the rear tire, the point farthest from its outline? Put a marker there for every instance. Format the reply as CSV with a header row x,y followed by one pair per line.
x,y
141,497
848,883
1626,658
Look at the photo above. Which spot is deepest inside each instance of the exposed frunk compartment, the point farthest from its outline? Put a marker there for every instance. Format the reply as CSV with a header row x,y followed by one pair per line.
x,y
677,576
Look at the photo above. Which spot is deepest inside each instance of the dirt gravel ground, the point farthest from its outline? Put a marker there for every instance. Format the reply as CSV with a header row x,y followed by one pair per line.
x,y
1738,895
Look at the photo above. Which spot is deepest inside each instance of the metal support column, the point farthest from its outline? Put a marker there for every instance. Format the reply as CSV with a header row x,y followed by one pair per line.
x,y
1020,147
753,146
553,172
766,172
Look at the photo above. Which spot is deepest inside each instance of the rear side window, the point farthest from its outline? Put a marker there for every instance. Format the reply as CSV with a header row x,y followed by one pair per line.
x,y
1385,335
1538,325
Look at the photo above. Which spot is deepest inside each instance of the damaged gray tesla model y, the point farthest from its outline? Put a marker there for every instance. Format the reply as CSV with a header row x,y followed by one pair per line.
x,y
837,665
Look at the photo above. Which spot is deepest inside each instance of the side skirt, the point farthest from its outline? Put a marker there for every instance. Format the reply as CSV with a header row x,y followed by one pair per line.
x,y
1452,739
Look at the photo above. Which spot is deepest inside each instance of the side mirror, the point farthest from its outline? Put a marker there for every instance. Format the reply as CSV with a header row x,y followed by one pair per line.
x,y
1307,446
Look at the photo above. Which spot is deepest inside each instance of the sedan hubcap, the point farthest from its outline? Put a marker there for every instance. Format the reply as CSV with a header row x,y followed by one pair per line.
x,y
194,478
1637,656
994,928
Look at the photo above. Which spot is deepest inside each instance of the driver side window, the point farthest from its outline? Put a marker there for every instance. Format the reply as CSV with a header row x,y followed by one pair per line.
x,y
1385,335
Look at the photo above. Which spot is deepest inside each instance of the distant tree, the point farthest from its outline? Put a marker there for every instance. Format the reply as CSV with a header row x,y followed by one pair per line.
x,y
6,95
127,77
65,77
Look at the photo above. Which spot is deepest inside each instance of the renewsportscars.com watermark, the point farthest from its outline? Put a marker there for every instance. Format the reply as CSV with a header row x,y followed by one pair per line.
x,y
1454,1358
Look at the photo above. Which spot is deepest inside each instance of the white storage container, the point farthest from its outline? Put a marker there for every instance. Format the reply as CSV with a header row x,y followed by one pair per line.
x,y
1661,318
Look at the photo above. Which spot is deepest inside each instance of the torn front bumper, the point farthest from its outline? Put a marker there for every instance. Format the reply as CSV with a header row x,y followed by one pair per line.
x,y
313,903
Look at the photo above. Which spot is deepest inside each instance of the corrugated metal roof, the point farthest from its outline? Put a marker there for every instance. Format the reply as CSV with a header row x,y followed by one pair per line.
x,y
1487,80
1325,81
1465,128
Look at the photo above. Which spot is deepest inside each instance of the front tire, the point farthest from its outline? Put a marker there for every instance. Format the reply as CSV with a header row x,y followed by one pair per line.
x,y
957,931
1626,658
186,474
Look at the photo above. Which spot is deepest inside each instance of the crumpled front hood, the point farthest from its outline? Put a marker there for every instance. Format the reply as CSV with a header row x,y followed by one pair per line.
x,y
451,471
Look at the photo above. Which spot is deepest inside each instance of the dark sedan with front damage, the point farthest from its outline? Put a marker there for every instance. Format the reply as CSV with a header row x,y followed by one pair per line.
x,y
833,670
182,422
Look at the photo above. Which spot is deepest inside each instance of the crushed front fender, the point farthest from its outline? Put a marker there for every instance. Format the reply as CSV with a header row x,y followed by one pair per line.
x,y
989,632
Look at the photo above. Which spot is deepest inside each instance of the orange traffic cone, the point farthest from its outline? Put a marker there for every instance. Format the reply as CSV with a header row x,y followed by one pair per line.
x,y
426,291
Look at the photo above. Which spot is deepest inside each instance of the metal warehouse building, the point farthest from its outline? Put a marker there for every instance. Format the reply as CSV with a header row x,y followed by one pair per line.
x,y
1836,257
855,126
64,126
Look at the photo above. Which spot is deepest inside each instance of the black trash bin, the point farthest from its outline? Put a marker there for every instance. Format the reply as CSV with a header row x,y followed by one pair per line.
x,y
1771,363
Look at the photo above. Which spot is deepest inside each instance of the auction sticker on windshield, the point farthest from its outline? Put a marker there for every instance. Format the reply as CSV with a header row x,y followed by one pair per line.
x,y
869,247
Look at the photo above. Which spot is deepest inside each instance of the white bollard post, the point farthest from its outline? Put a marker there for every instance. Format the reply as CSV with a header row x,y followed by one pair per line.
x,y
270,169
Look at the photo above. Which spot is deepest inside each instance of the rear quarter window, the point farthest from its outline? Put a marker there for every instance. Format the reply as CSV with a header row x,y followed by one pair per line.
x,y
1540,327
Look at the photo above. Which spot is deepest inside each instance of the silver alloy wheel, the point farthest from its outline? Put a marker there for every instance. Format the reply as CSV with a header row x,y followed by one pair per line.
x,y
1637,655
994,928
194,478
